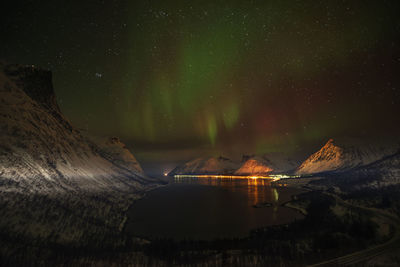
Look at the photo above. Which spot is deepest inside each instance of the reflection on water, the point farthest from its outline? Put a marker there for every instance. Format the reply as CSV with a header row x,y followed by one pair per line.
x,y
276,194
258,190
208,208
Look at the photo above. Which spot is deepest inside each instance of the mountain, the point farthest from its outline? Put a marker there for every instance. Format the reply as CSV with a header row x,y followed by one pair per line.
x,y
272,163
56,183
250,165
342,156
211,165
42,151
254,166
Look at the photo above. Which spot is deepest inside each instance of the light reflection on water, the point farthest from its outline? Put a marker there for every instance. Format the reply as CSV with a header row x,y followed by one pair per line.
x,y
258,190
208,208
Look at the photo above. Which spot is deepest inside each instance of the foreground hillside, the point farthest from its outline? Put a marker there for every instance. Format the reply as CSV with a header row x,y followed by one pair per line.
x,y
379,175
42,151
55,183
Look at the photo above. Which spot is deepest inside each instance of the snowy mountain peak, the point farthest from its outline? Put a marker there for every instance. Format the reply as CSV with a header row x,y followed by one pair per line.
x,y
340,156
329,152
254,166
266,164
330,142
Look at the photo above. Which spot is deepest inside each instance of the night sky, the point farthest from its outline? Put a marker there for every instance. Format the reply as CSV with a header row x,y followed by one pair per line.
x,y
176,79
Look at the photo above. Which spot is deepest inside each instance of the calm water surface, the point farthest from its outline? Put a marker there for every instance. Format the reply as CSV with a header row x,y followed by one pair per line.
x,y
209,208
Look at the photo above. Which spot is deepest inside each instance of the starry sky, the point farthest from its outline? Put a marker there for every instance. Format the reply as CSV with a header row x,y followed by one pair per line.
x,y
176,79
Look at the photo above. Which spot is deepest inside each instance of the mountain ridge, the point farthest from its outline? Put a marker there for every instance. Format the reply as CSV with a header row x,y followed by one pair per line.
x,y
333,157
250,165
39,144
336,157
212,165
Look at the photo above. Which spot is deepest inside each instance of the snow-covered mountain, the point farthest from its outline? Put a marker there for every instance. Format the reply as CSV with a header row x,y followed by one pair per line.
x,y
250,165
254,166
58,184
40,151
340,156
213,165
266,164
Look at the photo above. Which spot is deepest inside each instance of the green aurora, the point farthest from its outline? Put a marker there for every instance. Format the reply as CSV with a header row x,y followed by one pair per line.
x,y
220,72
221,76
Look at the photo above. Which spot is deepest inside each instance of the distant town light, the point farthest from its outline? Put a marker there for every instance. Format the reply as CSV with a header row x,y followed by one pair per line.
x,y
274,177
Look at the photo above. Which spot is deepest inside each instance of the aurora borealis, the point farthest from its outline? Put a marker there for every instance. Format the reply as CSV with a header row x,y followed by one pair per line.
x,y
216,76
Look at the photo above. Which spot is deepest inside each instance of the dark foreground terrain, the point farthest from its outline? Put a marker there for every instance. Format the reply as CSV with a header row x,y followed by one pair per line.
x,y
332,227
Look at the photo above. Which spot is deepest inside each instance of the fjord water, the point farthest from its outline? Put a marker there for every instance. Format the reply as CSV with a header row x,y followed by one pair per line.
x,y
210,208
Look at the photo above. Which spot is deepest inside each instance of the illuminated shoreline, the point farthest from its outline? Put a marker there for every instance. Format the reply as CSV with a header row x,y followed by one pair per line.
x,y
274,177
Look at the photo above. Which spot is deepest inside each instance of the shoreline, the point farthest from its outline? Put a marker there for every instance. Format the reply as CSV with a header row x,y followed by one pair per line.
x,y
288,204
299,183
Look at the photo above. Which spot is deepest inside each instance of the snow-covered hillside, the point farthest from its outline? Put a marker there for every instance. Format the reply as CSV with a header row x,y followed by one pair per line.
x,y
340,156
57,184
382,172
211,165
40,149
